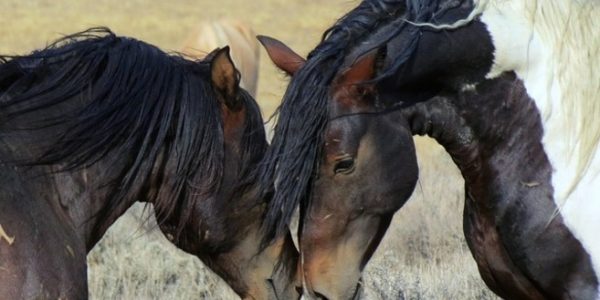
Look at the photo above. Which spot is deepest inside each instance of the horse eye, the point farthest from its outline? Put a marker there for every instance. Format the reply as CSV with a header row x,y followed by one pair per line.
x,y
345,166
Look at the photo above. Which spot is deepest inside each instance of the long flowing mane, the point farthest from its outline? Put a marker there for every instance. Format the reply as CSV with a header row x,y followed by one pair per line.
x,y
293,156
95,97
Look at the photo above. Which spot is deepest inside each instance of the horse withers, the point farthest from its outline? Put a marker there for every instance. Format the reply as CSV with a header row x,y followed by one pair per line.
x,y
95,122
500,87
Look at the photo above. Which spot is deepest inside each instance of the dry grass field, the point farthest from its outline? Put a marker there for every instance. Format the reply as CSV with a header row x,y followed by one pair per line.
x,y
423,256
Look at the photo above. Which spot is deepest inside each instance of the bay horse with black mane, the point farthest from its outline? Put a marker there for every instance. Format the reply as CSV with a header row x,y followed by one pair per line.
x,y
95,122
507,87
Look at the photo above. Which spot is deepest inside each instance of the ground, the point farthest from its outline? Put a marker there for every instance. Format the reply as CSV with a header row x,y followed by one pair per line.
x,y
423,256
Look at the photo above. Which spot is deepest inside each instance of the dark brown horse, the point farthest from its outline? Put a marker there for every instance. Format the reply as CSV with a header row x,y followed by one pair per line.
x,y
349,209
95,122
482,80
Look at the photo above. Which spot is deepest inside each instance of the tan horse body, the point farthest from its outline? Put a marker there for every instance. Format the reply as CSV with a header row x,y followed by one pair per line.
x,y
233,33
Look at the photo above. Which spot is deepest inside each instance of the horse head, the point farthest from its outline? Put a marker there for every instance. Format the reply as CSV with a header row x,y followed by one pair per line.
x,y
224,228
365,172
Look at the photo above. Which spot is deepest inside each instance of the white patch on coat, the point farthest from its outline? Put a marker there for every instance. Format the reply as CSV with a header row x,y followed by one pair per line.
x,y
557,74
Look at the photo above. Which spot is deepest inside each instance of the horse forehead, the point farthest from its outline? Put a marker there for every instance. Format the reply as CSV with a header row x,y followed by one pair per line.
x,y
233,122
341,139
335,134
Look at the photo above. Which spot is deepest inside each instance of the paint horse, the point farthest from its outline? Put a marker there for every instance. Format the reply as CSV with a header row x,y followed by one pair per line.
x,y
240,38
507,87
95,122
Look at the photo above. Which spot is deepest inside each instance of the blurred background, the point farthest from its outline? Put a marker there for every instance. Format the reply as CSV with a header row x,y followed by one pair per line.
x,y
423,255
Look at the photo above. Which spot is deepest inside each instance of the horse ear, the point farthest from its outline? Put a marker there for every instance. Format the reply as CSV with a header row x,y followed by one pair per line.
x,y
225,78
362,70
284,58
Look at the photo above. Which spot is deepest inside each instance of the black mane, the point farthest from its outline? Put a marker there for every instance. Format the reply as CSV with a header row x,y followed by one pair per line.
x,y
95,97
293,157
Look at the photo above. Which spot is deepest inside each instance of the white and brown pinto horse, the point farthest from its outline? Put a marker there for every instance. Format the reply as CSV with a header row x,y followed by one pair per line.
x,y
511,90
240,38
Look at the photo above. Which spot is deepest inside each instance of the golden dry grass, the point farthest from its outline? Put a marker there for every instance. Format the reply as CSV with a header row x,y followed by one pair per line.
x,y
423,256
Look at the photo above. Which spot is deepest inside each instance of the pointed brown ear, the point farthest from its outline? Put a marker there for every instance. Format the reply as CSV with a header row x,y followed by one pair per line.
x,y
225,78
363,69
284,58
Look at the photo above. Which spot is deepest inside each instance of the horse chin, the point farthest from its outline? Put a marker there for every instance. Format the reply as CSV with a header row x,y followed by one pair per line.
x,y
335,253
271,274
331,275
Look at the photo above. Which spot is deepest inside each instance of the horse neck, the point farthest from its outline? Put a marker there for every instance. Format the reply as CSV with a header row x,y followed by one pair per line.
x,y
218,217
85,196
493,134
73,197
79,197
